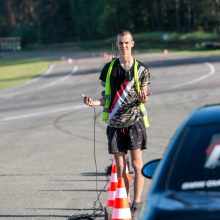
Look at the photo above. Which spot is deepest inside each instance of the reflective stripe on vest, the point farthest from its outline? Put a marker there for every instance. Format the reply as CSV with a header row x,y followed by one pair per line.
x,y
141,105
105,114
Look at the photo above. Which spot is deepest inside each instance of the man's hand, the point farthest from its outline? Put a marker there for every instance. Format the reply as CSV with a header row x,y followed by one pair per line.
x,y
87,100
143,96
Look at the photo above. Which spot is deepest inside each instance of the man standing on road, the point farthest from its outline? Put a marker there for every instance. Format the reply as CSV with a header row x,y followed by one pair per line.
x,y
126,89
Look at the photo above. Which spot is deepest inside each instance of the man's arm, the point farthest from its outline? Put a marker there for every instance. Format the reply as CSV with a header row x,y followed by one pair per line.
x,y
144,89
97,102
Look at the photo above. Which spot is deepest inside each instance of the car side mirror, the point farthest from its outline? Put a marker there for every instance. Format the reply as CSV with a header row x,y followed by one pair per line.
x,y
149,168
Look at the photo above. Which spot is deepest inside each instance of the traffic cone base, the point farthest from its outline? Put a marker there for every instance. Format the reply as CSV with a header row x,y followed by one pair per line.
x,y
121,209
122,213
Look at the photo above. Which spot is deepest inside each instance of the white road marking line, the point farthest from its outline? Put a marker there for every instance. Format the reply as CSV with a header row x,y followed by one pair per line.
x,y
49,70
30,115
75,68
209,74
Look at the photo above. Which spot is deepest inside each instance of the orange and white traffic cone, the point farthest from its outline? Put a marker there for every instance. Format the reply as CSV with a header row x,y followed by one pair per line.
x,y
111,191
121,209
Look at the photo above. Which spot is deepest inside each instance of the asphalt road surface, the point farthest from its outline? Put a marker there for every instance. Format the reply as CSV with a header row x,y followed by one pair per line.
x,y
50,165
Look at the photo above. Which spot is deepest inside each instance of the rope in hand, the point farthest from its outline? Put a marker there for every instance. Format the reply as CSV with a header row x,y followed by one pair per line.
x,y
98,211
96,167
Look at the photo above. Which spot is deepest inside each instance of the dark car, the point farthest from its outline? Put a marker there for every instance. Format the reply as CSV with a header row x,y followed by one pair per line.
x,y
186,183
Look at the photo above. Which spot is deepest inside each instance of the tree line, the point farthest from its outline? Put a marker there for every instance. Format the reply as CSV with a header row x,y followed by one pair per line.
x,y
55,21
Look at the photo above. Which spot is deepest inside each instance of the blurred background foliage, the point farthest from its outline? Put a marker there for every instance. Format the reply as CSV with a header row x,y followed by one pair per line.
x,y
46,22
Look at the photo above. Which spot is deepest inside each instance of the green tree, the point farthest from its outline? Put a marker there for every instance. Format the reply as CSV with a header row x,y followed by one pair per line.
x,y
53,19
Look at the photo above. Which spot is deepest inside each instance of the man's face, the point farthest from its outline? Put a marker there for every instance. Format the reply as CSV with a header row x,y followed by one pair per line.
x,y
125,44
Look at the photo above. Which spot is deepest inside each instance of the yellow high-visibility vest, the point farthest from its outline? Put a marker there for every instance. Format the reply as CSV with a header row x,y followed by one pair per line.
x,y
105,114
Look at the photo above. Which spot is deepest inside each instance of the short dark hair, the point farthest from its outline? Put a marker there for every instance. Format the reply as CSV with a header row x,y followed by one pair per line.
x,y
124,32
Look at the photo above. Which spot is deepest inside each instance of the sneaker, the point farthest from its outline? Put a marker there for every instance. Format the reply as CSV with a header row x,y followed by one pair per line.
x,y
134,208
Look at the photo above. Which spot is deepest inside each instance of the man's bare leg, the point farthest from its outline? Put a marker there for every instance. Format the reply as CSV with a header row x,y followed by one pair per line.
x,y
137,163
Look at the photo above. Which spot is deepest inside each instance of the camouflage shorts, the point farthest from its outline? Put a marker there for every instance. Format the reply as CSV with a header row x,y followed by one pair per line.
x,y
129,138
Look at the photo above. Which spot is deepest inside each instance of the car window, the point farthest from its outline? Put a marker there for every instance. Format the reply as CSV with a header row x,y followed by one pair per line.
x,y
197,161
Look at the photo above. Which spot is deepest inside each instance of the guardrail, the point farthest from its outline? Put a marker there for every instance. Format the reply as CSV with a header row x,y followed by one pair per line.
x,y
10,43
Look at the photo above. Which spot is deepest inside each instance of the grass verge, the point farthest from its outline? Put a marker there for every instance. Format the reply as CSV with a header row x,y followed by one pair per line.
x,y
17,71
154,41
